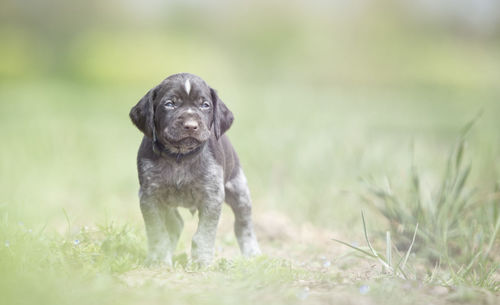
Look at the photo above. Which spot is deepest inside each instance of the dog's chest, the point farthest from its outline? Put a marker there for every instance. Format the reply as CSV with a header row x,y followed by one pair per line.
x,y
179,184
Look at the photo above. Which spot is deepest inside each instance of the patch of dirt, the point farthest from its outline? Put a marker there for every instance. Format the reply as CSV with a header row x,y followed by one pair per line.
x,y
338,276
280,237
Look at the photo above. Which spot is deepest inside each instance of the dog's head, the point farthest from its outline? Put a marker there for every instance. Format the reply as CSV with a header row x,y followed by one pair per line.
x,y
182,111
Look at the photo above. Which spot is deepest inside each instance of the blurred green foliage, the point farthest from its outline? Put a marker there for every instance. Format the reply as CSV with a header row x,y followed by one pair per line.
x,y
371,77
318,44
323,93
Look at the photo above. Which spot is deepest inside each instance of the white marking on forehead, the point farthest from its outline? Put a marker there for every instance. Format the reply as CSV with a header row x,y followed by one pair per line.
x,y
187,86
190,111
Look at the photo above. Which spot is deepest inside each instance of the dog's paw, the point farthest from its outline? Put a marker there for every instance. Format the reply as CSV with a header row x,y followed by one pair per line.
x,y
155,260
254,252
200,260
251,249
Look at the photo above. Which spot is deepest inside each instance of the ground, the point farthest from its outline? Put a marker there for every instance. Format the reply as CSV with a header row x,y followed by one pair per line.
x,y
339,109
72,233
301,265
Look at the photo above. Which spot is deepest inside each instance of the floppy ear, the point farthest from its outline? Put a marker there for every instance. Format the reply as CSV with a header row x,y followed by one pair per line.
x,y
223,117
142,114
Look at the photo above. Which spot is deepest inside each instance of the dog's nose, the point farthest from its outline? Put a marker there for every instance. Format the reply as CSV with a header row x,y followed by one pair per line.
x,y
190,125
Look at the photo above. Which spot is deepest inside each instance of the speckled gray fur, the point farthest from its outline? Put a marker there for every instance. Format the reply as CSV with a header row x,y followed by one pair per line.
x,y
200,182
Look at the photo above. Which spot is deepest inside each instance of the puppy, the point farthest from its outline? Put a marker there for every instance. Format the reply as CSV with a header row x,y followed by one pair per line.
x,y
186,160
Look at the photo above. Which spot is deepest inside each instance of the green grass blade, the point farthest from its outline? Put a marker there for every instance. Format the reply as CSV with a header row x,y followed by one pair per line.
x,y
354,247
371,248
388,248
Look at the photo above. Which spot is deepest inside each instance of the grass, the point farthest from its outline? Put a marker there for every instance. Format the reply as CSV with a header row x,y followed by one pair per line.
x,y
398,269
96,263
322,95
459,229
77,236
104,265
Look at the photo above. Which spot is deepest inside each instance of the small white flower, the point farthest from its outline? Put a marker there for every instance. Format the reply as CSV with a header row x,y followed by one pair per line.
x,y
7,243
76,242
303,293
364,289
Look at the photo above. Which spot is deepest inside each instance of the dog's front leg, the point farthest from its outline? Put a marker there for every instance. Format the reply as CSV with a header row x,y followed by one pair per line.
x,y
159,243
202,247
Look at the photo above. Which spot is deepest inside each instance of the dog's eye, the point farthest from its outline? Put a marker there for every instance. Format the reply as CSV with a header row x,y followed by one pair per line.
x,y
169,104
205,105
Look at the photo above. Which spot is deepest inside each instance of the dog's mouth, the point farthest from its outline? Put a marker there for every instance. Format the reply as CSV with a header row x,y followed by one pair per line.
x,y
187,142
183,145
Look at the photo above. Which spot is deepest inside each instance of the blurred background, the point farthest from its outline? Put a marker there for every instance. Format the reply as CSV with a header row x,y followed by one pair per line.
x,y
324,93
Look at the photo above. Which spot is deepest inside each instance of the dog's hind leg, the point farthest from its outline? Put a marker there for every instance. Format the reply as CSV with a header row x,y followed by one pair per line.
x,y
238,198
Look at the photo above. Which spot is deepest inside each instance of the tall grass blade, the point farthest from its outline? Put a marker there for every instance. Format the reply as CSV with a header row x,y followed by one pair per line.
x,y
68,222
388,249
492,240
354,247
410,247
371,248
471,263
468,126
